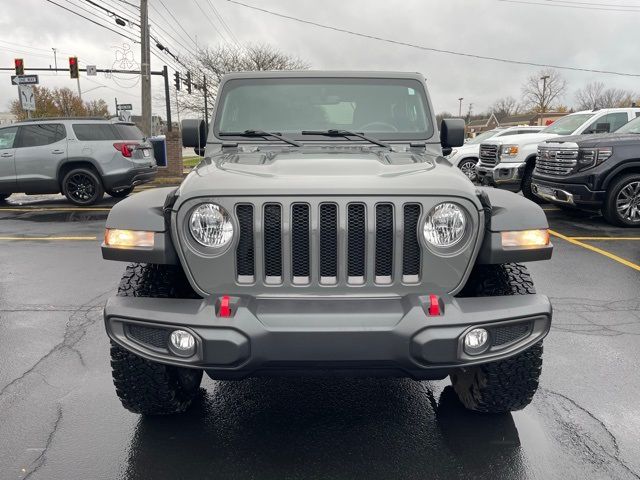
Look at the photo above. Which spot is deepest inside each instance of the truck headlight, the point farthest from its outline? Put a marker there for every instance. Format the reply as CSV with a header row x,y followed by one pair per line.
x,y
509,150
445,225
592,157
210,225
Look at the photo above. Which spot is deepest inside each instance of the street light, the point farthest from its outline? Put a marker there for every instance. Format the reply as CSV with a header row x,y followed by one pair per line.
x,y
460,109
544,90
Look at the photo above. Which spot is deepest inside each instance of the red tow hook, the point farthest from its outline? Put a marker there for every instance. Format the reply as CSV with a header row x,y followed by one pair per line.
x,y
434,306
225,307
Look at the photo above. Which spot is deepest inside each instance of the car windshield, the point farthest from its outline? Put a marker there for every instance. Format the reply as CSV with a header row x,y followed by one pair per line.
x,y
384,108
483,136
632,127
569,124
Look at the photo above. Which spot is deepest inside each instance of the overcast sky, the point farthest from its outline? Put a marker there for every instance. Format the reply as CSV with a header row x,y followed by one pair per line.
x,y
596,39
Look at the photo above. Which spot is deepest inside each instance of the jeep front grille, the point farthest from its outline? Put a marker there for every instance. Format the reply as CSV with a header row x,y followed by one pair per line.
x,y
327,244
489,155
554,161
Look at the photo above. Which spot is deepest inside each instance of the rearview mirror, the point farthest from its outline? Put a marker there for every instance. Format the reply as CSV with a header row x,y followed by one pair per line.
x,y
194,134
451,134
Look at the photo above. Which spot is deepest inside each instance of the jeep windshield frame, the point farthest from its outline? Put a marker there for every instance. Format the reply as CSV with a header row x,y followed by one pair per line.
x,y
389,108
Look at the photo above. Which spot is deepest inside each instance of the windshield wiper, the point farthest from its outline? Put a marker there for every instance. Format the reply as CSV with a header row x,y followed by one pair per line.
x,y
260,133
346,133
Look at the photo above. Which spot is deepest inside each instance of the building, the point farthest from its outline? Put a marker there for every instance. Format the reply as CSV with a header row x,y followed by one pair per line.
x,y
7,118
541,119
475,127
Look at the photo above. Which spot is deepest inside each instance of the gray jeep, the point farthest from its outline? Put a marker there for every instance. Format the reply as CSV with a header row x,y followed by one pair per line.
x,y
324,233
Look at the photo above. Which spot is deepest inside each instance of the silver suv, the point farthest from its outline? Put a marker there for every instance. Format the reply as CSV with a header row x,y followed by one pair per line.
x,y
79,157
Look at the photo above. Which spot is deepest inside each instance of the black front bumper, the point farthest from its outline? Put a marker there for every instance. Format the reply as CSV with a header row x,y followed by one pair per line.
x,y
563,193
130,178
396,336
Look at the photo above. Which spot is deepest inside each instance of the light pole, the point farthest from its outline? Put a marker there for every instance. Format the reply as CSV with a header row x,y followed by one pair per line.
x,y
460,108
55,58
146,68
544,79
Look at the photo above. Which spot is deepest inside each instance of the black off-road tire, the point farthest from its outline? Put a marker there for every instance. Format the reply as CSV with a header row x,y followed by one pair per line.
x,y
609,210
4,196
91,190
120,193
143,386
504,385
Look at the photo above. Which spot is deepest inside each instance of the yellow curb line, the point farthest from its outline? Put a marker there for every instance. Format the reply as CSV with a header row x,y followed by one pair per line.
x,y
47,238
596,250
605,238
552,209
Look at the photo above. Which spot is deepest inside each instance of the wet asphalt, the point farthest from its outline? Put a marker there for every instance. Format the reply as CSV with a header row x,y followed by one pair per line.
x,y
60,418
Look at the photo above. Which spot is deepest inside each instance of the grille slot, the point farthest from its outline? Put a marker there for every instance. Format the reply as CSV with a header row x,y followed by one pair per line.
x,y
328,243
245,253
384,243
411,258
273,243
356,242
149,336
553,161
510,333
489,155
300,243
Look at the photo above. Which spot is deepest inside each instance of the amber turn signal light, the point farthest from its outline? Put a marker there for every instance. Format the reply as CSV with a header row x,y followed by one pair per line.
x,y
525,238
128,238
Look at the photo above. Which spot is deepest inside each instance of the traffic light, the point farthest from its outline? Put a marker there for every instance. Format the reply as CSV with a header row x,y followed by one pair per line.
x,y
177,80
73,67
19,66
188,83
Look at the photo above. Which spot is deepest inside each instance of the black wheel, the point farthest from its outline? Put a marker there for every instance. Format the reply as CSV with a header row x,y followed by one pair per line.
x,y
468,167
120,193
143,386
504,385
4,196
526,185
622,205
82,187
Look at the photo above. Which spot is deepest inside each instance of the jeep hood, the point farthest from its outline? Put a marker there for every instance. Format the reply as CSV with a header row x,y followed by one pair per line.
x,y
328,171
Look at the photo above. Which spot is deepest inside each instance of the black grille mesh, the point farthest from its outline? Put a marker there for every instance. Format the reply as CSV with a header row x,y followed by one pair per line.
x,y
384,240
273,240
245,255
328,240
300,240
410,245
155,337
356,239
510,333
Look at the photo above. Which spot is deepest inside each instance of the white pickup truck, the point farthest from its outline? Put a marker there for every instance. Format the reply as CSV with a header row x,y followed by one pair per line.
x,y
508,163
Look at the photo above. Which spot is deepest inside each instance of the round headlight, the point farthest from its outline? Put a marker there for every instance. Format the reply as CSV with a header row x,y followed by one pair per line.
x,y
445,225
211,225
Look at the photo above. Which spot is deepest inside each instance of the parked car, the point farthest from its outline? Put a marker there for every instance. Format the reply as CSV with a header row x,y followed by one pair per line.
x,y
323,233
79,157
593,172
509,163
466,156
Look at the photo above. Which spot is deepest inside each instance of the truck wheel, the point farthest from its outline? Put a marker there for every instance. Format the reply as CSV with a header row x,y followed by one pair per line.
x,y
120,193
82,187
526,185
468,167
143,386
622,205
504,385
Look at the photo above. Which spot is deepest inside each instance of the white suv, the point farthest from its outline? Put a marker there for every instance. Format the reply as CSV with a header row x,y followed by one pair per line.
x,y
466,157
508,163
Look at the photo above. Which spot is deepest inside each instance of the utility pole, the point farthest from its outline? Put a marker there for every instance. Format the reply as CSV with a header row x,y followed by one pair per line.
x,y
460,109
206,102
544,79
55,58
145,68
165,72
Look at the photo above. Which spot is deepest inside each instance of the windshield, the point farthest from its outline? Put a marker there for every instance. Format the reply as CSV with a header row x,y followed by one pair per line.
x,y
567,125
385,108
483,136
632,127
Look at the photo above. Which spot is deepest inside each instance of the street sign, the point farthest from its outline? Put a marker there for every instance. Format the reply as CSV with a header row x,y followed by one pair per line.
x,y
125,106
27,97
92,70
24,80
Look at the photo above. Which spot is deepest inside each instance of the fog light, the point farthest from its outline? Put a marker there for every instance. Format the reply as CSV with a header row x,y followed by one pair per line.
x,y
182,343
476,341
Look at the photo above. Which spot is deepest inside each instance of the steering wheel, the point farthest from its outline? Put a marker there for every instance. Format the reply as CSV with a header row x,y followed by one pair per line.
x,y
390,127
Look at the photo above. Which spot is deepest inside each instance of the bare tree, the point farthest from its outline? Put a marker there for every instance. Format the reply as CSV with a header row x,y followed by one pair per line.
x,y
595,95
442,115
505,107
214,63
541,91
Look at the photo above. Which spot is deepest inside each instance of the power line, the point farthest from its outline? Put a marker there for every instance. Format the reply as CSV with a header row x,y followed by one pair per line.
x,y
179,24
431,49
170,26
92,21
597,4
223,22
111,12
210,21
575,7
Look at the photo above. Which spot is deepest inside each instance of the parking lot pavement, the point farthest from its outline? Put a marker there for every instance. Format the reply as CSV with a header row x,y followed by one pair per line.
x,y
60,418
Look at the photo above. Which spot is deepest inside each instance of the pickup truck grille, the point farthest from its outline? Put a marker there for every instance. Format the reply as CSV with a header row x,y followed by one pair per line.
x,y
489,155
327,244
554,161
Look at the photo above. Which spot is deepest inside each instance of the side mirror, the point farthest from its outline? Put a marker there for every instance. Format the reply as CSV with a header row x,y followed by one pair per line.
x,y
194,134
451,134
